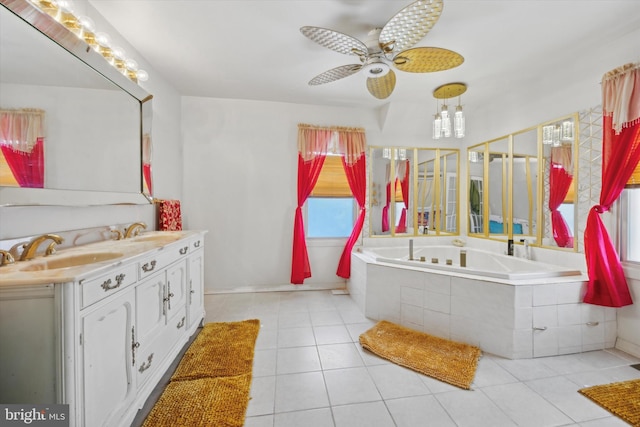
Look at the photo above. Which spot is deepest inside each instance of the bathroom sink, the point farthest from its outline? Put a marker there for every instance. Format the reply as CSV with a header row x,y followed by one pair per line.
x,y
157,237
54,262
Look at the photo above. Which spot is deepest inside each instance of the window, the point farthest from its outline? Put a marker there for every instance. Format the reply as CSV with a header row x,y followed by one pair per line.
x,y
331,208
629,225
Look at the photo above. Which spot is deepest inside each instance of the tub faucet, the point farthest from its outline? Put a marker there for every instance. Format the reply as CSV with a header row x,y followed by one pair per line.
x,y
510,247
410,249
134,229
31,248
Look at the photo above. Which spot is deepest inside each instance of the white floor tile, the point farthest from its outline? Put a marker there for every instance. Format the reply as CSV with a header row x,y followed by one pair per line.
x,y
337,356
526,407
296,392
394,381
372,414
335,334
473,409
260,421
264,363
297,359
310,418
351,385
325,318
262,396
415,411
295,337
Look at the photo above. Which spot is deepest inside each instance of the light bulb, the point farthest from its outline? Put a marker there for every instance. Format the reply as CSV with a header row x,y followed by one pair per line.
x,y
143,76
437,126
458,122
446,121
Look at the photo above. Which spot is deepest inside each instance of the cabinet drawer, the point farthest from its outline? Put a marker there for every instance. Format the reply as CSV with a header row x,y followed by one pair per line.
x,y
93,290
162,259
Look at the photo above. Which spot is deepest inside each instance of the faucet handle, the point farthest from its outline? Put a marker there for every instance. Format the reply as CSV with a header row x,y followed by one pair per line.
x,y
16,249
51,249
117,234
7,258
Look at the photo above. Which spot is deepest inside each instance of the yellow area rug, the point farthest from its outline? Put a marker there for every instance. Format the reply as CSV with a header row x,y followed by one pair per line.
x,y
449,361
621,399
211,385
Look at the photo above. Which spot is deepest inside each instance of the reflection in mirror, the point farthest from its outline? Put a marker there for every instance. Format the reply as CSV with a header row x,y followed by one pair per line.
x,y
380,193
524,183
497,189
403,191
88,137
559,183
437,211
475,171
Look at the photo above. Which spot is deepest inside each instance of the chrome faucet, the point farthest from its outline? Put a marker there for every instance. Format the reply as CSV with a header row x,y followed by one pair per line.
x,y
410,249
31,248
7,258
134,229
527,250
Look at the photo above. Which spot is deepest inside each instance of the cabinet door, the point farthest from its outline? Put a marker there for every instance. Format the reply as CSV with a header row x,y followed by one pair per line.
x,y
176,289
196,288
107,346
150,306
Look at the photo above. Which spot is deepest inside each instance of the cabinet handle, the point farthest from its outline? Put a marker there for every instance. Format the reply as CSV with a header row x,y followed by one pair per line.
x,y
593,323
147,267
146,365
134,345
196,244
181,324
544,328
107,283
184,250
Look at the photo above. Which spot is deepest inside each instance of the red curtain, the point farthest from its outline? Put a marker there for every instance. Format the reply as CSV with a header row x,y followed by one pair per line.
x,y
26,166
356,172
559,183
621,152
146,173
385,209
404,187
312,150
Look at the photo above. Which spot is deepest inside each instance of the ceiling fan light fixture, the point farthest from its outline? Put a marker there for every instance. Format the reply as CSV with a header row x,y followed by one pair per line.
x,y
376,68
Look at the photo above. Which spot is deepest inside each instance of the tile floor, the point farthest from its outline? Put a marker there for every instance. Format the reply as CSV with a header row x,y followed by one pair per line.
x,y
310,371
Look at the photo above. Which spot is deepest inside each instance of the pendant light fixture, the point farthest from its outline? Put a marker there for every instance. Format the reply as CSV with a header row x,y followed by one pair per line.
x,y
442,126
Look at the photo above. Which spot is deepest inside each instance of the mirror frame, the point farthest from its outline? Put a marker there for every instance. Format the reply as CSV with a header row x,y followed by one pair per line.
x,y
439,154
484,148
16,196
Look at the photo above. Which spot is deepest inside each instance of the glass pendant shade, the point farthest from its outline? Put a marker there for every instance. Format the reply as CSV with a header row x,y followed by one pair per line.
x,y
458,123
437,126
446,121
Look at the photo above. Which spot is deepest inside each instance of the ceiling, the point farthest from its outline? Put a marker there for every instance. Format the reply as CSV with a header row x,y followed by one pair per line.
x,y
253,49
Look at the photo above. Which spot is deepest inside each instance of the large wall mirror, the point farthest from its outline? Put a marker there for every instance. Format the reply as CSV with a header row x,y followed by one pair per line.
x,y
413,192
520,185
74,129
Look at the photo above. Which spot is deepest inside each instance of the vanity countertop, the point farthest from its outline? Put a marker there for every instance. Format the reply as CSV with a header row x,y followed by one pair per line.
x,y
88,260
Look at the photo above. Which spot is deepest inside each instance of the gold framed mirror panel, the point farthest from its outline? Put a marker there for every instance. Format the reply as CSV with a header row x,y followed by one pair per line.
x,y
518,183
413,192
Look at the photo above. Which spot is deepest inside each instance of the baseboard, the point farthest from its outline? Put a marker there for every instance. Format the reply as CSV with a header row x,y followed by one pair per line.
x,y
628,347
278,288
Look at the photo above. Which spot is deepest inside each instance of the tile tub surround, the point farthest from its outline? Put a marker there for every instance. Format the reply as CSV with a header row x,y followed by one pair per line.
x,y
513,319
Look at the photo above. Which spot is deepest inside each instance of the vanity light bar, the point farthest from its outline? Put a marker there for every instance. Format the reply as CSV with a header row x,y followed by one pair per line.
x,y
83,28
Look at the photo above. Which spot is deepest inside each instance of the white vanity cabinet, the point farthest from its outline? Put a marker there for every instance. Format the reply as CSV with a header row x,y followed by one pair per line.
x,y
116,332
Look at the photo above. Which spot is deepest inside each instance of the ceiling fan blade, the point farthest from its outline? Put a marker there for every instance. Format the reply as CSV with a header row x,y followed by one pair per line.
x,y
335,40
427,60
335,74
382,87
410,25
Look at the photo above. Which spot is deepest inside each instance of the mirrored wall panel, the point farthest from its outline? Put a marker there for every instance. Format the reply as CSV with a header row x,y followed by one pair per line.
x,y
520,186
413,192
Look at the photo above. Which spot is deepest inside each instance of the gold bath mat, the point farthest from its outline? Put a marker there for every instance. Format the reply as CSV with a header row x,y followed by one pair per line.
x,y
212,383
220,350
621,399
202,402
448,361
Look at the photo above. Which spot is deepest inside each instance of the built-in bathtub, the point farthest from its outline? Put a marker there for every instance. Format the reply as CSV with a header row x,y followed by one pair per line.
x,y
478,262
527,309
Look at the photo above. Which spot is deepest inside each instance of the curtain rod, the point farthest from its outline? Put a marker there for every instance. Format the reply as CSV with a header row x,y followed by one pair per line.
x,y
334,128
23,111
620,70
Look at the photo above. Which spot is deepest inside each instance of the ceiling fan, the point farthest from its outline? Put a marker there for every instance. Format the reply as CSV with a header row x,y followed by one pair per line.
x,y
387,46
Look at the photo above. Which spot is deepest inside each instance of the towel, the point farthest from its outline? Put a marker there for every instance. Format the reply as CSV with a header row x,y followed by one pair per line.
x,y
169,215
